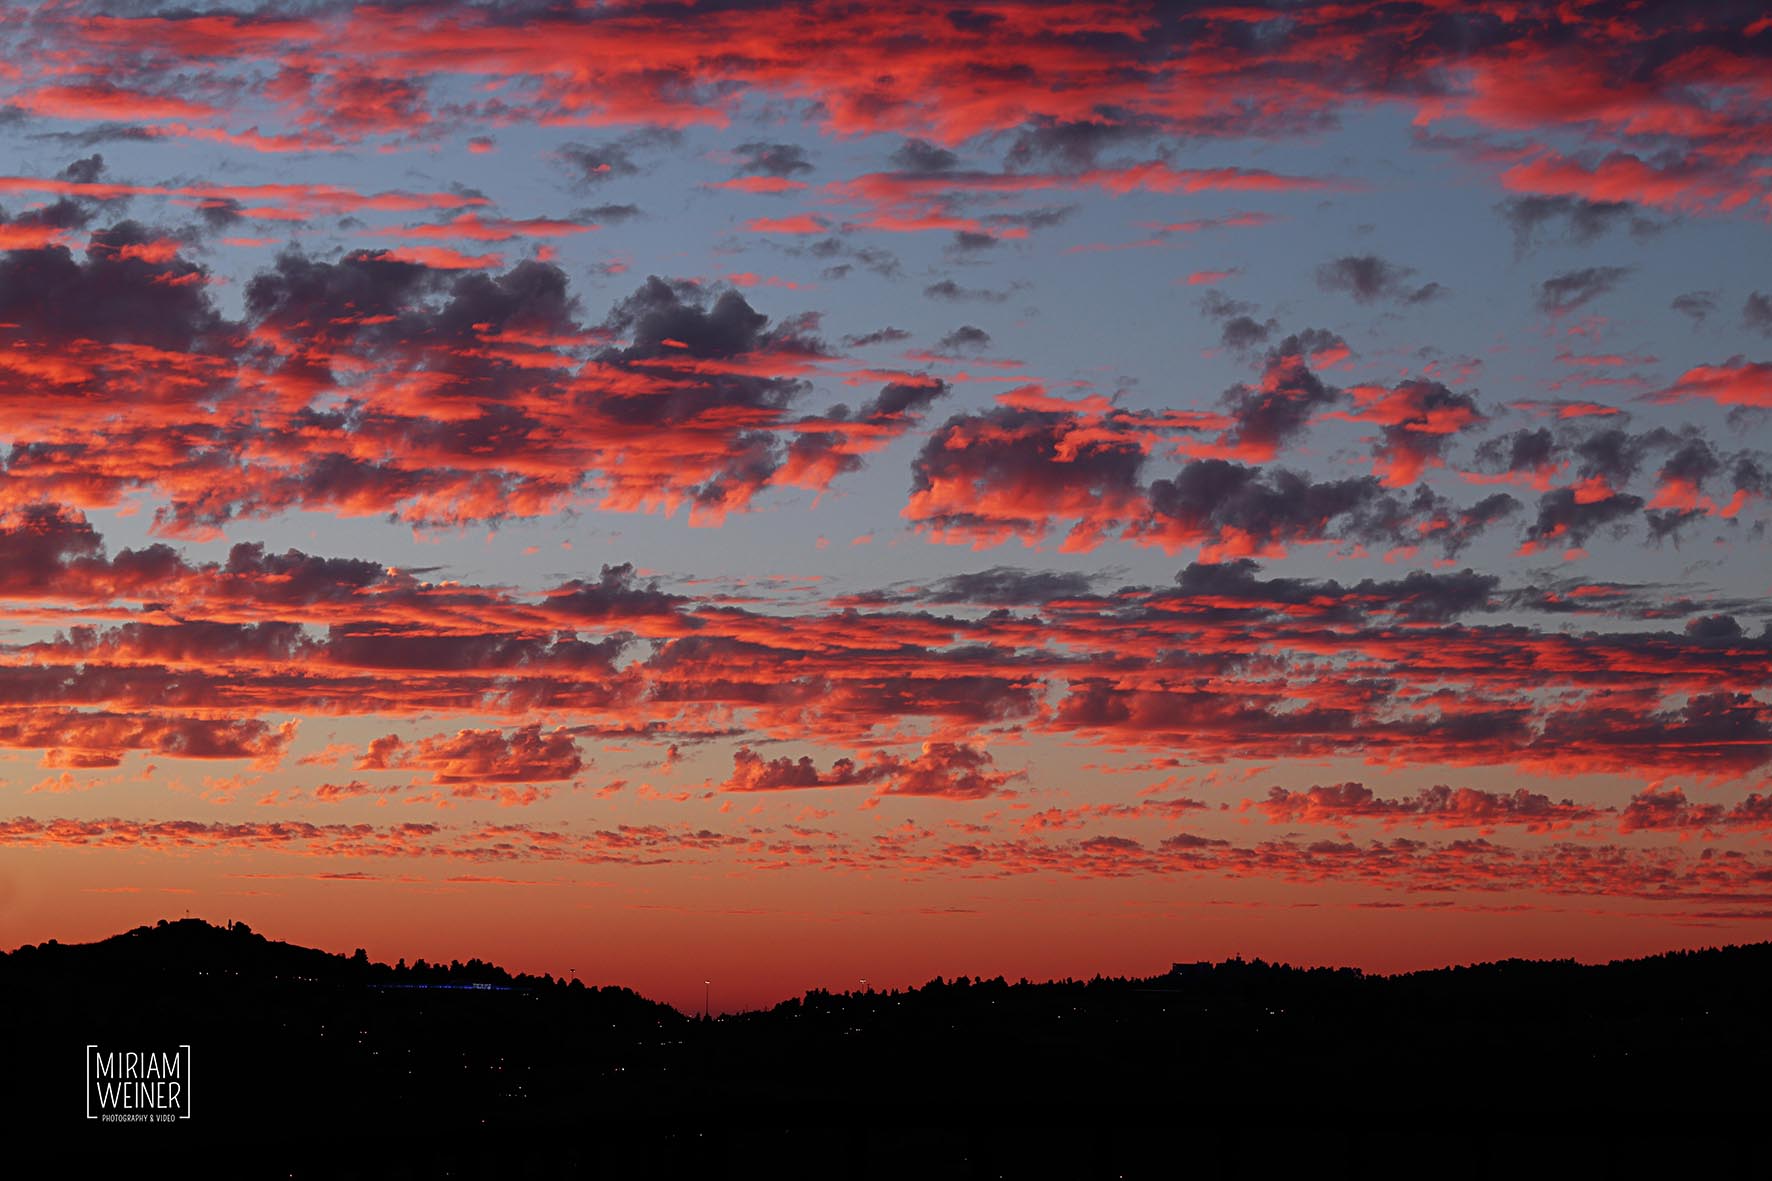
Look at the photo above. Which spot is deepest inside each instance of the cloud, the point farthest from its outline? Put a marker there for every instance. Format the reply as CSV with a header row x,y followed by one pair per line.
x,y
984,478
1568,518
1229,509
965,337
947,289
1369,279
1420,596
1271,416
760,158
1569,290
1009,586
924,158
1239,331
466,757
1756,314
609,214
1073,145
595,164
1581,220
1698,305
159,361
944,769
1417,420
101,738
1440,806
878,336
1668,810
1235,662
1735,382
948,770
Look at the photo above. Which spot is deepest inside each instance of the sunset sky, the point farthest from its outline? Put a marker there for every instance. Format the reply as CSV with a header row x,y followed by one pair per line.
x,y
784,494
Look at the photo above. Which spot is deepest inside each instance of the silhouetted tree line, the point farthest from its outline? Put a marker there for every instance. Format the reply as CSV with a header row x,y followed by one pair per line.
x,y
344,1048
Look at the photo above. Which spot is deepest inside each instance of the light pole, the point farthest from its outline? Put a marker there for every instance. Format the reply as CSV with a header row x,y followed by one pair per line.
x,y
707,1000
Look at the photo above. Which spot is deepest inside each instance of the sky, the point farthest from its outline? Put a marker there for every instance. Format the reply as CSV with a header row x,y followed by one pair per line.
x,y
793,494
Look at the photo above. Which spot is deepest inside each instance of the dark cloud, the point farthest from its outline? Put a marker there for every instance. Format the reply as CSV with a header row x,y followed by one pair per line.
x,y
594,164
923,157
607,214
1243,334
1234,509
1420,595
1453,529
758,158
1615,454
1239,331
1270,416
965,337
972,242
1696,304
1071,146
1581,220
1567,519
61,214
1519,451
878,336
1216,305
666,310
1694,462
295,577
123,291
1264,509
1756,313
102,133
1010,471
881,262
221,213
618,598
381,294
837,448
85,171
1571,289
903,399
1007,586
1031,219
952,292
1369,278
1715,629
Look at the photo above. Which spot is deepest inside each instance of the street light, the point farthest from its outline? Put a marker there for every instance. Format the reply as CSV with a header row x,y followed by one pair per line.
x,y
707,1000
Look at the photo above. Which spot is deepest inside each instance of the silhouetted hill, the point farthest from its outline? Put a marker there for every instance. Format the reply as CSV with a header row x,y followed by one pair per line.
x,y
192,953
468,1066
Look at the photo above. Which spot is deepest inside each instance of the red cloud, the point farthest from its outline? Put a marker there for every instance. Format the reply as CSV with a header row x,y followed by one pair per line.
x,y
1417,417
81,738
473,227
799,223
1735,382
1441,806
101,100
442,258
949,770
525,755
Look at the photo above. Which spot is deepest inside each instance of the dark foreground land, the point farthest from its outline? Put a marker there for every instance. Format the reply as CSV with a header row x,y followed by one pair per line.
x,y
311,1064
